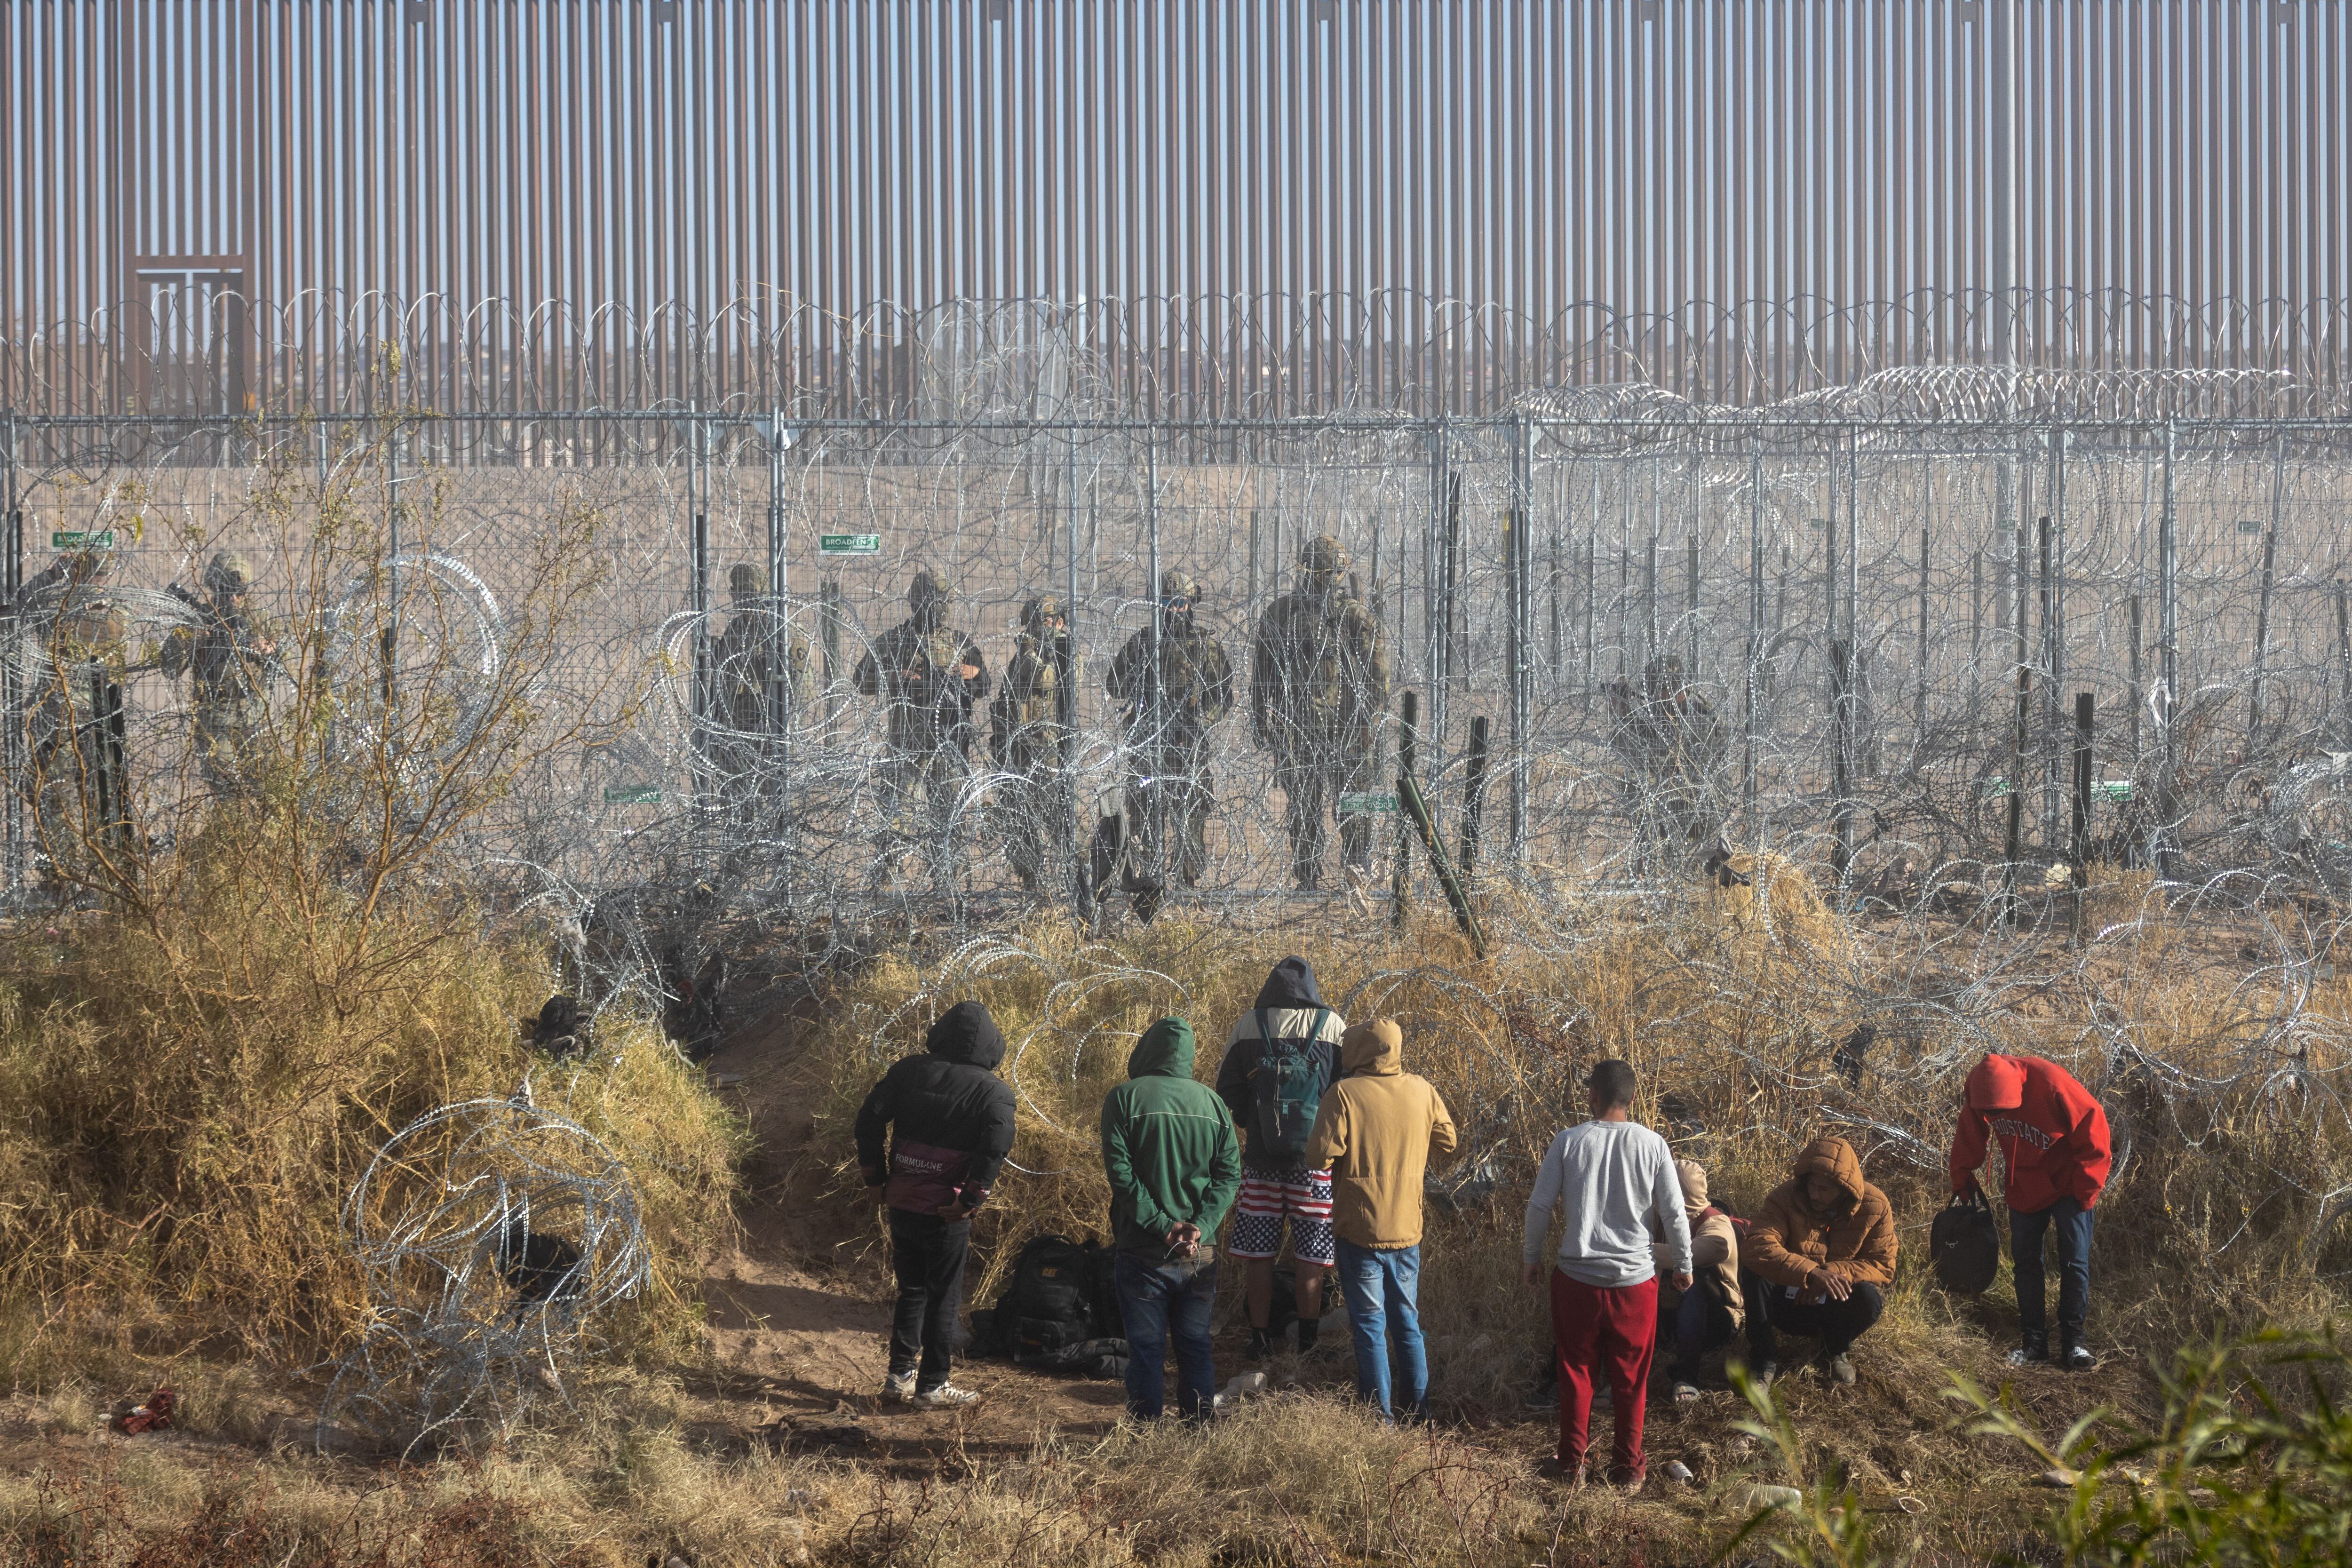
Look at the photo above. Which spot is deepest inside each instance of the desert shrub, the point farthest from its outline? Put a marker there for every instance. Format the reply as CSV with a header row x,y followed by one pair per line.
x,y
243,989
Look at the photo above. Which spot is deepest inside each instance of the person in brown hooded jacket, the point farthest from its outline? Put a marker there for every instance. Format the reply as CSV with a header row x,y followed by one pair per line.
x,y
1822,1250
1374,1132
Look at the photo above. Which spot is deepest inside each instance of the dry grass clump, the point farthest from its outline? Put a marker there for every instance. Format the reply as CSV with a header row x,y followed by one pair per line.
x,y
1287,1481
188,1090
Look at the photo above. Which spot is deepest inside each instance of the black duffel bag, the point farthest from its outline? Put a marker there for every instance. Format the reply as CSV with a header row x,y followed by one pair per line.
x,y
1966,1241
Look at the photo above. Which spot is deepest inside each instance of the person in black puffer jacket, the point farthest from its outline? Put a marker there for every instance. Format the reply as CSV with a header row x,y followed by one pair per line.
x,y
949,1118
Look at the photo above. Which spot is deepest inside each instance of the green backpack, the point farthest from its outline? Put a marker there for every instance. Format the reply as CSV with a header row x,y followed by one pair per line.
x,y
1288,1080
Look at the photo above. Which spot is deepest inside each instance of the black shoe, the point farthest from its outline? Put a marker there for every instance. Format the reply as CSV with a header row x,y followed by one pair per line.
x,y
2033,1352
1259,1344
1308,1327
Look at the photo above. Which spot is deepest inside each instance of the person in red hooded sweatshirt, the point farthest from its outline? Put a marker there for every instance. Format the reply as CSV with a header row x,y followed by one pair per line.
x,y
2054,1157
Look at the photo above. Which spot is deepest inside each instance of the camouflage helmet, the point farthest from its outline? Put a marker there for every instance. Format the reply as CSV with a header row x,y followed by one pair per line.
x,y
229,570
1323,555
928,590
743,577
1175,584
1040,609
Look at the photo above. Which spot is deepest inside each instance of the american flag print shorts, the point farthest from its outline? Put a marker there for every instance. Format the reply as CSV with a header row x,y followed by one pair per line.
x,y
1266,1197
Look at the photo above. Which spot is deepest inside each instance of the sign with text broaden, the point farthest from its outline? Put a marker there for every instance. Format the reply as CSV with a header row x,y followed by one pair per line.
x,y
1368,803
77,539
632,794
849,544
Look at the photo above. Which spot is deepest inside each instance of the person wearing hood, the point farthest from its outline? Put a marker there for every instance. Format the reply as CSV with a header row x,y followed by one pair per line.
x,y
1283,1055
949,1120
1375,1133
1822,1247
1174,1164
2055,1153
1709,1314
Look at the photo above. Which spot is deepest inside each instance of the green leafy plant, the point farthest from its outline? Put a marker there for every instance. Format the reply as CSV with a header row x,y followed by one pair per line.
x,y
1831,1529
2236,1471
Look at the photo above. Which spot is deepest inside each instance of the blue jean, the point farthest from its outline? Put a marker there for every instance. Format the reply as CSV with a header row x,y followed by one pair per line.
x,y
2072,1223
1382,1284
1164,1300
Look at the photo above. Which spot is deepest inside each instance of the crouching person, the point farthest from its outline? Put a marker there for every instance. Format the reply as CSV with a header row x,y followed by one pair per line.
x,y
1711,1311
1174,1165
1374,1132
1823,1248
949,1118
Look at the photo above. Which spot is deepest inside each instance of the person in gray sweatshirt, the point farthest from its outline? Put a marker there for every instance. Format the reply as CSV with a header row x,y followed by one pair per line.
x,y
1607,1176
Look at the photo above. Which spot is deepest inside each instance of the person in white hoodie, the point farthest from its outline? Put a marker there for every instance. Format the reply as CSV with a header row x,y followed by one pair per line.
x,y
1611,1178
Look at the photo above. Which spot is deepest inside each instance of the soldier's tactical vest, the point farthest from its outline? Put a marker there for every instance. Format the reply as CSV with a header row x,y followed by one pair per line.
x,y
89,628
1030,686
1320,662
228,673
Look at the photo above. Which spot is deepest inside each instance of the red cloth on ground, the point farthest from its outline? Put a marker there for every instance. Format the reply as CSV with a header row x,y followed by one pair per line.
x,y
2053,1135
1611,1331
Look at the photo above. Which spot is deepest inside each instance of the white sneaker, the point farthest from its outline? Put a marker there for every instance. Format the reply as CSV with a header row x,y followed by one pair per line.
x,y
947,1396
897,1389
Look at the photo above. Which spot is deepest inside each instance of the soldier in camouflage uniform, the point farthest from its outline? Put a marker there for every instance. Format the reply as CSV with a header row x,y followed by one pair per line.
x,y
227,658
1167,721
740,659
79,637
930,675
1027,722
1318,682
1674,744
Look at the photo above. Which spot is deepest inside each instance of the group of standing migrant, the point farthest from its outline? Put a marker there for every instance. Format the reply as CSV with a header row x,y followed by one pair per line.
x,y
1314,1125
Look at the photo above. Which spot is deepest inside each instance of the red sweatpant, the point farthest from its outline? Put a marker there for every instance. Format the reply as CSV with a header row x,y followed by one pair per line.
x,y
1610,1332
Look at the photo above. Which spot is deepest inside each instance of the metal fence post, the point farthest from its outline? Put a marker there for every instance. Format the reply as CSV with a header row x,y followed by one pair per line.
x,y
1155,696
1755,630
778,708
1081,889
2168,655
2262,608
697,495
1522,629
13,753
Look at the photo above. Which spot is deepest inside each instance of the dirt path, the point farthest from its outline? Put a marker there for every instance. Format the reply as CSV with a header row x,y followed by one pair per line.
x,y
800,1313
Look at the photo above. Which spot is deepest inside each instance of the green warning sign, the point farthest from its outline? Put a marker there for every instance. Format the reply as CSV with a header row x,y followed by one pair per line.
x,y
78,539
1367,803
849,544
2113,789
632,794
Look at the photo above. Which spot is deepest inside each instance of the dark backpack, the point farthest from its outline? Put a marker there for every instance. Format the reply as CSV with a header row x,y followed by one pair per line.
x,y
1288,1081
1965,1242
1049,1306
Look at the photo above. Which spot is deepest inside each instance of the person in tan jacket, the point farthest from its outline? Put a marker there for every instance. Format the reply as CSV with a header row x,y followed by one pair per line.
x,y
1822,1250
1709,1313
1374,1132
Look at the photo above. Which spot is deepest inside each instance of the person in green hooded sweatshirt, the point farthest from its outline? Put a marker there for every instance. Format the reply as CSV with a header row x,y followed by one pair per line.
x,y
1174,1165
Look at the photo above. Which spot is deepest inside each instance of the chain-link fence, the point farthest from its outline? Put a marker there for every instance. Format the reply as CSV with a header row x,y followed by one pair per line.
x,y
1944,644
